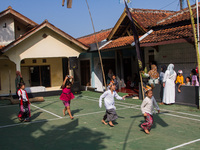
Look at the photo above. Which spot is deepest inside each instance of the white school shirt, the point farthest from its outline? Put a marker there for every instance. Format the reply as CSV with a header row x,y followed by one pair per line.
x,y
148,105
23,95
109,101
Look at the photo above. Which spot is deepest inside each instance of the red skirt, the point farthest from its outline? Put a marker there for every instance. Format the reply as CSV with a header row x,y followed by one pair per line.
x,y
67,96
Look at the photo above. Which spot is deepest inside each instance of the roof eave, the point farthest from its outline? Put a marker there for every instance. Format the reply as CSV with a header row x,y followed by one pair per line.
x,y
50,26
116,25
13,12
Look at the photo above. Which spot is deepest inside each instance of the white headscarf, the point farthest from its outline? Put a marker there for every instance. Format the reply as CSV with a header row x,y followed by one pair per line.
x,y
171,69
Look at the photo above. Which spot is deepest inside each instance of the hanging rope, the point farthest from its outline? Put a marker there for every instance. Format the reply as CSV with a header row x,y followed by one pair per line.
x,y
97,46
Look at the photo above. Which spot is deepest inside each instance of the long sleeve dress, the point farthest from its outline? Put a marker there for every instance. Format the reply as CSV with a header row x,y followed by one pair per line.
x,y
169,89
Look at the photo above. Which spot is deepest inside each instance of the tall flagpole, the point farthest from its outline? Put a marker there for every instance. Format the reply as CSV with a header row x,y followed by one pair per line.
x,y
137,45
197,8
97,46
195,35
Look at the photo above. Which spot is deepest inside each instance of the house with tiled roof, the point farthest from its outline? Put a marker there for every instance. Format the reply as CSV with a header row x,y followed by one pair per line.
x,y
40,51
165,37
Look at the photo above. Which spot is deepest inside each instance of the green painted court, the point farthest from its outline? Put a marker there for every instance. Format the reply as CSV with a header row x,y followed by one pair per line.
x,y
177,127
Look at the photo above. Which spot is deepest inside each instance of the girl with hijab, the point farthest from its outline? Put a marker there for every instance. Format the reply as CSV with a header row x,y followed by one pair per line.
x,y
169,85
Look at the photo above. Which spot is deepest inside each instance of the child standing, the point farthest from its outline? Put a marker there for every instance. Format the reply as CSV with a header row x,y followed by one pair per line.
x,y
195,81
25,111
147,108
67,95
109,103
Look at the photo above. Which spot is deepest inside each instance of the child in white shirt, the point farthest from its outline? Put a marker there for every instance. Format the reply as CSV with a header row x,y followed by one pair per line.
x,y
147,108
109,103
25,111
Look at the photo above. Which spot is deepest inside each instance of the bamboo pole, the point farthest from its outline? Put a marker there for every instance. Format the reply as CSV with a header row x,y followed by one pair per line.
x,y
141,85
97,46
195,35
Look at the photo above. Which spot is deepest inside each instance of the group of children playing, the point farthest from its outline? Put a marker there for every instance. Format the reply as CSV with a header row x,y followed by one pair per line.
x,y
147,105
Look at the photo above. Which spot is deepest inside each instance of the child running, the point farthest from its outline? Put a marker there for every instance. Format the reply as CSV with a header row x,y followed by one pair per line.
x,y
147,108
109,103
67,95
24,104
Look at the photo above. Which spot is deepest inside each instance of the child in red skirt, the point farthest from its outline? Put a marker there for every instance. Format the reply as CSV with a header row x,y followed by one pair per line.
x,y
67,95
24,104
147,108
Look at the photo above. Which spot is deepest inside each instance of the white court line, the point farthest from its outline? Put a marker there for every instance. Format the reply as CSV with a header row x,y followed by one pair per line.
x,y
183,144
98,101
164,113
46,111
182,113
47,120
162,109
116,102
180,116
96,112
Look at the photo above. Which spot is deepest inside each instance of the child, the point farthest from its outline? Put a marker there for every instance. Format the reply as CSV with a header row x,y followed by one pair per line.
x,y
195,81
147,108
115,81
162,73
109,103
179,80
25,111
67,95
187,81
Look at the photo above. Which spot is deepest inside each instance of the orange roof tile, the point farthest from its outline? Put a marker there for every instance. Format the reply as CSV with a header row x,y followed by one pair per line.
x,y
90,39
149,17
179,16
180,32
175,33
119,42
1,46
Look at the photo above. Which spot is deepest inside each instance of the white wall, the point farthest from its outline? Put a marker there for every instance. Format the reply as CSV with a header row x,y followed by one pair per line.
x,y
36,46
182,55
98,79
6,34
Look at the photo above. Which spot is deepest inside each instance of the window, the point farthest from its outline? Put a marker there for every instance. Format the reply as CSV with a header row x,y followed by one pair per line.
x,y
34,61
4,26
44,60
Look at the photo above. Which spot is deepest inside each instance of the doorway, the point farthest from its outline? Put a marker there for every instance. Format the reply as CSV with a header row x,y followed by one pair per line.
x,y
40,76
127,68
85,72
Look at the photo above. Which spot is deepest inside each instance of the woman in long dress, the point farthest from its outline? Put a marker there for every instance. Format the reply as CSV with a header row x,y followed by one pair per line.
x,y
169,85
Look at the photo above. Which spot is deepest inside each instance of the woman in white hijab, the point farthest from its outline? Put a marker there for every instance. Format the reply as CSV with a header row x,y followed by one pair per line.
x,y
169,85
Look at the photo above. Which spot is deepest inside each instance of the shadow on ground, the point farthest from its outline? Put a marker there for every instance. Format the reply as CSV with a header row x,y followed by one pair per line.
x,y
46,136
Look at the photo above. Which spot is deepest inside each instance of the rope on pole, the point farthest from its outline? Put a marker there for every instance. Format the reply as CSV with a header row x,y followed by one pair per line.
x,y
97,46
195,35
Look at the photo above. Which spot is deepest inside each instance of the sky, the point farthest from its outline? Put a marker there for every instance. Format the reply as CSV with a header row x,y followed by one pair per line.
x,y
76,20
